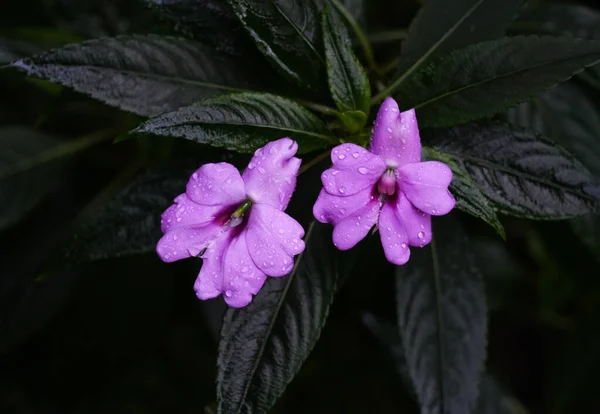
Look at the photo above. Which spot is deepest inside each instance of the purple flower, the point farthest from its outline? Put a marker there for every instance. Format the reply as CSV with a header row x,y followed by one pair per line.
x,y
236,224
388,186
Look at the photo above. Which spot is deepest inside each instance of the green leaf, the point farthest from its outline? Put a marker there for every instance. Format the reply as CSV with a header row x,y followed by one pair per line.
x,y
21,189
357,9
469,197
442,319
353,121
348,81
571,119
566,19
484,79
439,29
522,173
211,21
264,344
242,122
146,75
492,399
288,34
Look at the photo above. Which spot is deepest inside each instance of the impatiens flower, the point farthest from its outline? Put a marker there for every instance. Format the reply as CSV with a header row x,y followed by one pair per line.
x,y
387,185
236,224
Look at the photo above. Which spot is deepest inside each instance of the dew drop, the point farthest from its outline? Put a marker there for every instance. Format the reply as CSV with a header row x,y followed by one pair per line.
x,y
420,235
342,190
355,155
261,170
244,269
335,172
363,170
281,231
228,293
195,176
341,156
403,245
389,130
174,237
179,219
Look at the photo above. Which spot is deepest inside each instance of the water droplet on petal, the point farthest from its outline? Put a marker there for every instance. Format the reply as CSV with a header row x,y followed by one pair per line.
x,y
420,235
228,293
261,170
341,156
281,231
389,130
244,269
178,219
403,245
355,155
363,170
195,176
342,190
335,172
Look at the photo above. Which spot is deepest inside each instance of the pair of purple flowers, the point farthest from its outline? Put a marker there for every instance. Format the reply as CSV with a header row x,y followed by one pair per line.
x,y
237,225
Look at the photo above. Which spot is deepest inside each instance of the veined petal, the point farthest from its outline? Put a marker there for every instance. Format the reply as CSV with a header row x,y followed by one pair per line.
x,y
348,232
209,283
416,223
354,169
216,184
333,209
425,184
396,136
394,237
186,213
273,239
183,242
242,278
271,174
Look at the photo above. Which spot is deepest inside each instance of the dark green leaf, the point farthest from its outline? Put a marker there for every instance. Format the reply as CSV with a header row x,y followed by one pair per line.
x,y
130,223
264,344
439,29
469,197
566,19
242,122
146,75
522,173
568,117
288,34
211,21
442,319
22,189
348,80
490,77
492,399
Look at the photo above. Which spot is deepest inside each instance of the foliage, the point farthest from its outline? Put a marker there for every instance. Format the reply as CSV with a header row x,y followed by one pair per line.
x,y
105,110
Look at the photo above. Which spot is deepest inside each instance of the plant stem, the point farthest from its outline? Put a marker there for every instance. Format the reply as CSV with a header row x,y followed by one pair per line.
x,y
314,161
360,34
62,150
387,36
323,109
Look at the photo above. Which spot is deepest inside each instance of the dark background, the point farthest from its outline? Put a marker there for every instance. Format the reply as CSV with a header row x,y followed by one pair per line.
x,y
129,336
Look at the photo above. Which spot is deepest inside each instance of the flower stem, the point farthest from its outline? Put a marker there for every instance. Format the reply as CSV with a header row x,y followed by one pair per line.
x,y
314,161
324,109
360,34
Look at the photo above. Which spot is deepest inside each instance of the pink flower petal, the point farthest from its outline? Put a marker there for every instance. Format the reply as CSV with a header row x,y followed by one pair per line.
x,y
273,239
209,283
348,232
216,184
242,278
354,169
185,213
332,209
426,186
271,174
394,237
396,135
416,223
183,242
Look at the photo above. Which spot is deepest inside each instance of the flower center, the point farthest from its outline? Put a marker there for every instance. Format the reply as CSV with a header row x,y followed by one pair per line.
x,y
387,182
237,216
